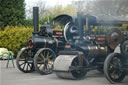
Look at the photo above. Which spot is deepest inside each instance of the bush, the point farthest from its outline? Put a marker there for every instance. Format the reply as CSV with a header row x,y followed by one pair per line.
x,y
14,38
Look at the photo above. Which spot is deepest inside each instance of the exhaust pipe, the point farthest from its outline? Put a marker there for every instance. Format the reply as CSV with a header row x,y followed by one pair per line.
x,y
36,20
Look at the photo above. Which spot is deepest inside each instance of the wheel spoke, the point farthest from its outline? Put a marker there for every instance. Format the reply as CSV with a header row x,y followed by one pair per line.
x,y
27,66
115,75
40,58
24,65
47,54
40,62
48,67
42,55
21,64
44,68
40,65
50,56
50,63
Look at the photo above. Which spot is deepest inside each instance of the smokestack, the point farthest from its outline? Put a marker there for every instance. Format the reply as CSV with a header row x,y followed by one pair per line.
x,y
80,24
35,19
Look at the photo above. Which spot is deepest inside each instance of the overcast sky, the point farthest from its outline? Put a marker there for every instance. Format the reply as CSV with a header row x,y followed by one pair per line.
x,y
50,3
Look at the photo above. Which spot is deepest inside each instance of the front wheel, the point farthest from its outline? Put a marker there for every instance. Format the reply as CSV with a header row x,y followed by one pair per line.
x,y
24,61
112,68
43,60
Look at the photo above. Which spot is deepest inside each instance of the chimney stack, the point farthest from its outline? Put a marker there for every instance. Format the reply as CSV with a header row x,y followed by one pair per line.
x,y
36,20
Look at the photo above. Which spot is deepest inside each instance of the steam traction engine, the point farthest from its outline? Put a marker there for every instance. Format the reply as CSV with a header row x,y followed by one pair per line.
x,y
84,52
42,48
116,64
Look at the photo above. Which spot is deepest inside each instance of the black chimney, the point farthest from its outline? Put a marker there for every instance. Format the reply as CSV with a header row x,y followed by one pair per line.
x,y
35,19
80,23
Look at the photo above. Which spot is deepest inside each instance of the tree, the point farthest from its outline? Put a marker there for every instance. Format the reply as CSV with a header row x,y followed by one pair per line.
x,y
84,6
43,10
123,7
12,12
111,7
59,9
102,7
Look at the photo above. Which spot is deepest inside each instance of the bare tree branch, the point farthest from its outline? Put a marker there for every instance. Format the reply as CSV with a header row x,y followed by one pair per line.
x,y
102,7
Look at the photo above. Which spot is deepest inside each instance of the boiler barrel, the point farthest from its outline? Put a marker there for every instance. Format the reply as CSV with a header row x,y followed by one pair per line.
x,y
45,42
94,51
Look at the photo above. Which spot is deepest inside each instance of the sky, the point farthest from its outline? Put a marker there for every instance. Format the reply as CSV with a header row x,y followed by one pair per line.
x,y
50,3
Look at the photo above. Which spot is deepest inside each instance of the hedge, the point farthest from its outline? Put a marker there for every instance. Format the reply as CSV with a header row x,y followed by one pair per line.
x,y
14,38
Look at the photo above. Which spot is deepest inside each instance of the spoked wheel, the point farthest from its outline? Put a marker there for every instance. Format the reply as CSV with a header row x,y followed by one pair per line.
x,y
24,60
43,60
112,69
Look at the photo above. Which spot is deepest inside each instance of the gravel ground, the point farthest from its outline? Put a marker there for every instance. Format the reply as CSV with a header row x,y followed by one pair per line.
x,y
12,76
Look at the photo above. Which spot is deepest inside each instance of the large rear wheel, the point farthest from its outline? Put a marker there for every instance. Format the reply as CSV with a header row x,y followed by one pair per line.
x,y
112,68
43,60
